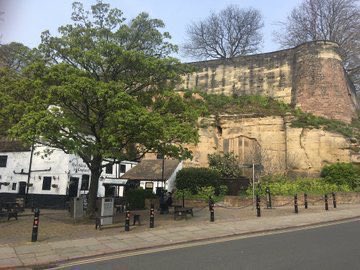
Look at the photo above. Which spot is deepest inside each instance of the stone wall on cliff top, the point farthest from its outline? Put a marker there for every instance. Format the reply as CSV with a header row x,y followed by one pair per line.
x,y
310,76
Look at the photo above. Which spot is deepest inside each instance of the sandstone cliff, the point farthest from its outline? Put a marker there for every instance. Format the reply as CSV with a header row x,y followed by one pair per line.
x,y
310,76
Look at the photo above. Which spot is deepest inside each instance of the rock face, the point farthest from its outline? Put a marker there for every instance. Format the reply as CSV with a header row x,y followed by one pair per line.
x,y
270,141
310,76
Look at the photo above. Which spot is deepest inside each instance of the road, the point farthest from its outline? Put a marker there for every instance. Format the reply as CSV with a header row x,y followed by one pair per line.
x,y
330,247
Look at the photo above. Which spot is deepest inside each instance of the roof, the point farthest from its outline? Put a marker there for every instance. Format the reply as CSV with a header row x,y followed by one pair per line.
x,y
151,170
12,146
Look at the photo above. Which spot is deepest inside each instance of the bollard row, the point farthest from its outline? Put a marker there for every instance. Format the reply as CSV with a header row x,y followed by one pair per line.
x,y
211,210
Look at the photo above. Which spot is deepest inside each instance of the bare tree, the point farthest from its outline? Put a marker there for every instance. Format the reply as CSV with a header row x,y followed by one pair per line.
x,y
229,33
330,20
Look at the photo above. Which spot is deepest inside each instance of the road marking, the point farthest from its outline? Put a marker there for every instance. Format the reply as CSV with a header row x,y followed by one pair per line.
x,y
193,244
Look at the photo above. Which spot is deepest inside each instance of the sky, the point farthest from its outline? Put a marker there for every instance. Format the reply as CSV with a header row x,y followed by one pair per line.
x,y
24,20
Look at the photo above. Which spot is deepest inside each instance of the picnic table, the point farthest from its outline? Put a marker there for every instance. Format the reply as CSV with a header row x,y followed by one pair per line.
x,y
182,212
9,209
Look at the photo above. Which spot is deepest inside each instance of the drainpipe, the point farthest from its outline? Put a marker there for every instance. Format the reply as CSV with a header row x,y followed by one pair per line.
x,y
29,173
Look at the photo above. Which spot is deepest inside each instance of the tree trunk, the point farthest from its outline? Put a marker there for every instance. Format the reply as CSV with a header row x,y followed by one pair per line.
x,y
94,184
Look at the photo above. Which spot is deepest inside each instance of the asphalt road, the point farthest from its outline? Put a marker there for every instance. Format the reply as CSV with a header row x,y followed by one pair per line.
x,y
330,247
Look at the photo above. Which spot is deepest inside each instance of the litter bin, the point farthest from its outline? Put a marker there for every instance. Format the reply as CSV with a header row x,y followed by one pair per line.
x,y
106,209
76,207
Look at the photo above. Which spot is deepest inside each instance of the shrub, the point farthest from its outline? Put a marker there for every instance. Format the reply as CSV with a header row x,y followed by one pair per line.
x,y
195,178
223,190
300,185
206,192
342,174
203,193
136,198
227,164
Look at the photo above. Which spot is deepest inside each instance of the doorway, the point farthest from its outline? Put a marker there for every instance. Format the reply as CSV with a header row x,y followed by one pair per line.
x,y
73,187
22,188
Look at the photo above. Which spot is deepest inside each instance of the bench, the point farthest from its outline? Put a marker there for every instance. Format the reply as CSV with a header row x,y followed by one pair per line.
x,y
9,212
182,212
98,221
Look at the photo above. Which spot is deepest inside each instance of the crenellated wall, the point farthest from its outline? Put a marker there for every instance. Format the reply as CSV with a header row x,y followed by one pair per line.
x,y
310,76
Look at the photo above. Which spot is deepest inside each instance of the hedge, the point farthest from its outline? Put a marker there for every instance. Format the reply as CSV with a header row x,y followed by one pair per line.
x,y
193,179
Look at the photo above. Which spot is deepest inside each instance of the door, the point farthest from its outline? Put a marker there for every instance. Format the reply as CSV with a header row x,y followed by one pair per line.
x,y
73,187
22,188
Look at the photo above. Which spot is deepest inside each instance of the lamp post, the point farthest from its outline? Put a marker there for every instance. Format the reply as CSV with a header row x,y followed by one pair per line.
x,y
162,171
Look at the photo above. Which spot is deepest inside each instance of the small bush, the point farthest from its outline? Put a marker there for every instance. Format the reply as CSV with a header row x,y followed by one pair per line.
x,y
205,192
136,198
194,178
342,174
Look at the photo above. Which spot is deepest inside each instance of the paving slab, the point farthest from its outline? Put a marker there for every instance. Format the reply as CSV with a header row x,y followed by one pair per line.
x,y
90,242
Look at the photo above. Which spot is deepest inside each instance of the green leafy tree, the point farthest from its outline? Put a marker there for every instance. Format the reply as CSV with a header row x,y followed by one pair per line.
x,y
15,56
227,165
104,92
14,91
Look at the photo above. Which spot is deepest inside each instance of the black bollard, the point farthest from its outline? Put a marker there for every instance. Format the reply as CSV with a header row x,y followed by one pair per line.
x,y
35,225
305,201
334,199
211,209
268,198
258,210
152,216
296,204
326,202
183,199
127,221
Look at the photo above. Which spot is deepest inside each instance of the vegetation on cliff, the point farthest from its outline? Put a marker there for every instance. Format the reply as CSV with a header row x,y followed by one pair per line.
x,y
262,106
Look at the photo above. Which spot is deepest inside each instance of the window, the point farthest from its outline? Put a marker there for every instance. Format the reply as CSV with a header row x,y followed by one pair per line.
x,y
46,183
149,185
85,182
14,186
3,160
109,169
122,168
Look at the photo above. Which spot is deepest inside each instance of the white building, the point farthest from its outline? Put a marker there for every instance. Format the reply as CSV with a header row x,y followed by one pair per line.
x,y
53,178
154,174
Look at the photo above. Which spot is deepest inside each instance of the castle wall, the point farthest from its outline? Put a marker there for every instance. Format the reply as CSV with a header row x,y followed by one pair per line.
x,y
310,76
321,84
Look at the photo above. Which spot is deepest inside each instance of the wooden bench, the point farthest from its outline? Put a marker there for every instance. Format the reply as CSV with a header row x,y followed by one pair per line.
x,y
9,212
182,212
98,221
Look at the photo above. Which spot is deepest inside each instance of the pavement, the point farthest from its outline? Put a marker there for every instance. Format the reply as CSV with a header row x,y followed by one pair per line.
x,y
61,240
